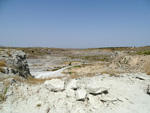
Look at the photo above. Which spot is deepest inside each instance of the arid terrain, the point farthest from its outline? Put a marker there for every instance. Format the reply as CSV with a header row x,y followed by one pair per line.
x,y
58,80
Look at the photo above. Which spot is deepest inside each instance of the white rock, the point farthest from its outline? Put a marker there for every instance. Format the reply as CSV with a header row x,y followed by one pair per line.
x,y
96,88
70,92
72,84
94,101
54,85
80,94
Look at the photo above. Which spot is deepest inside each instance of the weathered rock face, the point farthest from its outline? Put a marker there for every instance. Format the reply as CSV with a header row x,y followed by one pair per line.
x,y
130,63
14,63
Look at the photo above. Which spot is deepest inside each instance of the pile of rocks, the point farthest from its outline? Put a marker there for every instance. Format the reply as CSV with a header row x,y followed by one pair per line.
x,y
81,92
101,93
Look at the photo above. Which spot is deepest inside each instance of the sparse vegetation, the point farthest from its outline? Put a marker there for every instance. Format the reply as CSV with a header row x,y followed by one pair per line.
x,y
1,69
38,105
69,72
69,63
3,95
92,58
143,53
48,70
77,66
8,53
56,68
35,81
111,72
2,63
146,53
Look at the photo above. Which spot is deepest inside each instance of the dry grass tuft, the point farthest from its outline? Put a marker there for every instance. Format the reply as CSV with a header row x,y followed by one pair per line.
x,y
40,80
9,52
74,76
1,70
111,72
2,63
35,81
17,78
3,95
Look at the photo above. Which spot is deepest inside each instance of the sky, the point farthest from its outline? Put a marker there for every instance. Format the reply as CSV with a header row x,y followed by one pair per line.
x,y
74,23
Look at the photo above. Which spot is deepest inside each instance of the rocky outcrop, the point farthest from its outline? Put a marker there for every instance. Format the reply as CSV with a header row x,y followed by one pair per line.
x,y
13,63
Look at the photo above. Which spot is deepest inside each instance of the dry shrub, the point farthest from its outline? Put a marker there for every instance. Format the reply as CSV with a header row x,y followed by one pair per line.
x,y
2,63
8,53
74,76
35,81
90,74
111,72
1,70
32,80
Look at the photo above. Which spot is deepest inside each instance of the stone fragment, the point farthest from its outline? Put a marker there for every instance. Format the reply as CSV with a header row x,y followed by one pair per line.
x,y
54,85
72,84
80,95
96,88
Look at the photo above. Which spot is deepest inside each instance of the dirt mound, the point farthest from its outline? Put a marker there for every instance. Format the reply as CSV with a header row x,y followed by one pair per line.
x,y
129,63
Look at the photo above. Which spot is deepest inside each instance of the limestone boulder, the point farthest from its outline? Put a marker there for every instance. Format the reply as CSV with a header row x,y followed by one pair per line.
x,y
80,95
96,88
72,84
54,85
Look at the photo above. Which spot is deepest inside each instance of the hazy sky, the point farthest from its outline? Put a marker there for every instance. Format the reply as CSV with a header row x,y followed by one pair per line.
x,y
74,23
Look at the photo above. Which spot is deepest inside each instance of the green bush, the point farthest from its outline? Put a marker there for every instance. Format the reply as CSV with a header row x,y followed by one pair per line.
x,y
146,52
143,53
